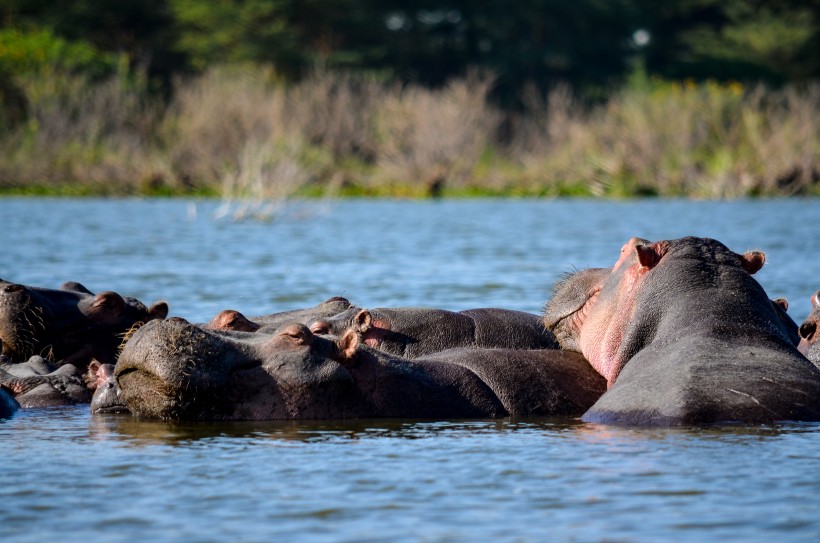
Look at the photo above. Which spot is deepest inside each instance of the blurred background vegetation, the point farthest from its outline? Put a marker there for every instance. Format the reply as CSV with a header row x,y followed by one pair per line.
x,y
265,99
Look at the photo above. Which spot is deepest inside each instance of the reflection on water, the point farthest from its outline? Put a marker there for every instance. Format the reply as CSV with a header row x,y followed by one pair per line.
x,y
70,476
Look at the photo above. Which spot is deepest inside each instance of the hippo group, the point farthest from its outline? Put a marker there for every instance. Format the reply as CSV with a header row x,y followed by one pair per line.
x,y
676,332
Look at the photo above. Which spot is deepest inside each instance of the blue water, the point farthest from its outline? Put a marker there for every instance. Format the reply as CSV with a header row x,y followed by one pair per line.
x,y
69,476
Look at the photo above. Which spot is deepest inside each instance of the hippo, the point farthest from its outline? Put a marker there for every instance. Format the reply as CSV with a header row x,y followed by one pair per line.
x,y
38,383
809,345
106,397
230,319
174,370
414,331
70,325
685,335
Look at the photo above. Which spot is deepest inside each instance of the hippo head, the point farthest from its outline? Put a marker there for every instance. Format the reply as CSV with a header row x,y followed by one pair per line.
x,y
174,370
70,324
572,296
666,284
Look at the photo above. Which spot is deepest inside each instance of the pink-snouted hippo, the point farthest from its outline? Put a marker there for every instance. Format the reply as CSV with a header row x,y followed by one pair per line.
x,y
231,319
416,331
70,325
177,371
809,332
685,335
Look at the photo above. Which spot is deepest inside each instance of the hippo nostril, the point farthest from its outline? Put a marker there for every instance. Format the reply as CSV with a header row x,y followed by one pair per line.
x,y
807,330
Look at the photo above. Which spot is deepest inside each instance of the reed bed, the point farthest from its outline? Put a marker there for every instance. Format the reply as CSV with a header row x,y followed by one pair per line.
x,y
240,133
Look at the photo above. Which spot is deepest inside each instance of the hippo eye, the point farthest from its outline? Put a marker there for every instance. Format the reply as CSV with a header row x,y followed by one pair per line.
x,y
13,288
320,328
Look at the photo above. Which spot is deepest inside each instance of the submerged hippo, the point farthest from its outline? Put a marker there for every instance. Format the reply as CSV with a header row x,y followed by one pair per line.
x,y
685,335
174,370
230,319
809,331
38,383
414,332
69,325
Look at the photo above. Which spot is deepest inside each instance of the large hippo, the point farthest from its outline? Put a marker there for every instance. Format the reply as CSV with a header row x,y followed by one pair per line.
x,y
685,335
416,331
69,325
174,370
231,319
809,331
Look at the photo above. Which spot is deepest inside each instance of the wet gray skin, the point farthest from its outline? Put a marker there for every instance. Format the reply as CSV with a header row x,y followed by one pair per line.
x,y
414,331
176,371
685,335
69,325
781,308
38,383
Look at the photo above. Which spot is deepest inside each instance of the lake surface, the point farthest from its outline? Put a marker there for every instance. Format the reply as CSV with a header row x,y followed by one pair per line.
x,y
70,476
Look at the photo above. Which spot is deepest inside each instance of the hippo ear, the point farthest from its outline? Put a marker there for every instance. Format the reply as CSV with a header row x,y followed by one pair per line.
x,y
782,302
650,255
363,321
815,300
158,311
752,261
347,345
